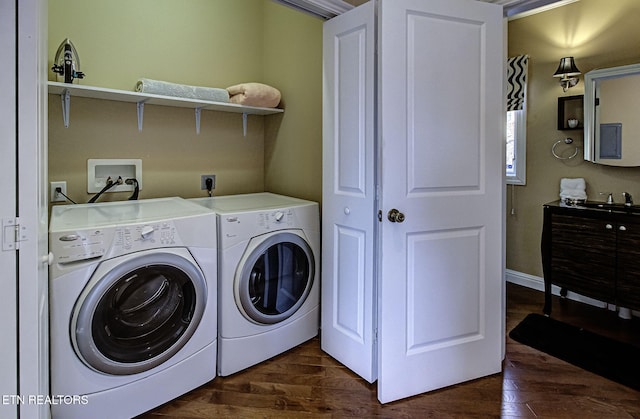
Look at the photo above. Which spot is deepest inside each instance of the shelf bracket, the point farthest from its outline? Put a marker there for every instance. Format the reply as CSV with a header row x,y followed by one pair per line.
x,y
244,124
198,113
140,106
65,98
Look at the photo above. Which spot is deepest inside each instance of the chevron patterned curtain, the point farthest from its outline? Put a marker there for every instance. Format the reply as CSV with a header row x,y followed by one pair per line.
x,y
516,82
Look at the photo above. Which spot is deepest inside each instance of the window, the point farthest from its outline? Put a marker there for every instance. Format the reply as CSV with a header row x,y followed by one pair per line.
x,y
516,145
516,164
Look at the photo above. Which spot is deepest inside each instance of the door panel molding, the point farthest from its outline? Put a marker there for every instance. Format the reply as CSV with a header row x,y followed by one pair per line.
x,y
349,283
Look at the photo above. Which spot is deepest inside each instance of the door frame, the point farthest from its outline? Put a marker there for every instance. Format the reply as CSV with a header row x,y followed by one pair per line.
x,y
32,205
8,210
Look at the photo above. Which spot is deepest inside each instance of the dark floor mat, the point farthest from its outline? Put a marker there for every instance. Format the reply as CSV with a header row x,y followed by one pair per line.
x,y
615,360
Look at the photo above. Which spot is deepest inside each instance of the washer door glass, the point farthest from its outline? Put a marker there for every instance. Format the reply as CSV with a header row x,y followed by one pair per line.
x,y
140,313
276,278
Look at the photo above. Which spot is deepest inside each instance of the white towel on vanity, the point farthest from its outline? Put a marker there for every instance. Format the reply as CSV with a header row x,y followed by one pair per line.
x,y
573,188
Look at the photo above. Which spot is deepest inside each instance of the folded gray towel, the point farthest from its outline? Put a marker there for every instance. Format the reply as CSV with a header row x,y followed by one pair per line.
x,y
166,88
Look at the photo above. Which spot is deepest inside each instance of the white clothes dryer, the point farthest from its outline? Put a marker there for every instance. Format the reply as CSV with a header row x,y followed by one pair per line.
x,y
268,279
133,317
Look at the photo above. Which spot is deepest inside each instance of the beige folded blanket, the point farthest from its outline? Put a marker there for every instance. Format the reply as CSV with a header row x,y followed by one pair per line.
x,y
254,94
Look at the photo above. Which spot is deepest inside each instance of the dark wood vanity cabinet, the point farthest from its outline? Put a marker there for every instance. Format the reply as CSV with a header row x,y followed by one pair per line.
x,y
628,265
593,252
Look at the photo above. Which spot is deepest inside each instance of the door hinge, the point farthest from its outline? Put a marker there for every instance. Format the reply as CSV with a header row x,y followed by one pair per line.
x,y
12,233
380,215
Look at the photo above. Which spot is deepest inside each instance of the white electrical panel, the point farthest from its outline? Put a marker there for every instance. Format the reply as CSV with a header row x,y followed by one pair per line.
x,y
100,170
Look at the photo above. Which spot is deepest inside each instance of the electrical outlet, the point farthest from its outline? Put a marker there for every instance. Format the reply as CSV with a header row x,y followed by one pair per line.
x,y
203,181
55,196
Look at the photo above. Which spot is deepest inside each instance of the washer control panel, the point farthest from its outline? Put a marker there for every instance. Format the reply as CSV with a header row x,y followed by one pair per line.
x,y
80,245
144,236
95,243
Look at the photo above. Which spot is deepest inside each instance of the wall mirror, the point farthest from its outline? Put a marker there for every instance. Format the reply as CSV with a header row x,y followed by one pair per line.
x,y
611,120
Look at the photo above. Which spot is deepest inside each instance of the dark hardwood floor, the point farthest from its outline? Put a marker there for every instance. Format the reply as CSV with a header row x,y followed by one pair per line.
x,y
306,383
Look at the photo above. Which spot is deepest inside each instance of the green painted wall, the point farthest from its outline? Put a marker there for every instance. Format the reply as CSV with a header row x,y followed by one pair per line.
x,y
200,42
293,141
598,34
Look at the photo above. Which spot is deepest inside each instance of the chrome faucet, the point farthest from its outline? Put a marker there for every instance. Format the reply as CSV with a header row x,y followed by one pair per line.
x,y
628,199
609,197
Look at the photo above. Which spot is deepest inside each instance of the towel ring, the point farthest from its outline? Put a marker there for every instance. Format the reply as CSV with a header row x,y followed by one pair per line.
x,y
566,141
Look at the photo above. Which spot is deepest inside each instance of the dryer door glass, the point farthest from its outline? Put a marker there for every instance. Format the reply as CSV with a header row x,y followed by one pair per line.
x,y
143,317
276,278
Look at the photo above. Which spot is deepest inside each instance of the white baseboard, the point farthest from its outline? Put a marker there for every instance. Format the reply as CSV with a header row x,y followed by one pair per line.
x,y
537,283
526,280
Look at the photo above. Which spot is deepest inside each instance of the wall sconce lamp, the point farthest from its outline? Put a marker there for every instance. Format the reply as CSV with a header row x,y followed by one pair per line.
x,y
568,73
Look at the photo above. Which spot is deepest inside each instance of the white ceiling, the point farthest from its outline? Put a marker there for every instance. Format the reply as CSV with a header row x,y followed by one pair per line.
x,y
329,8
516,7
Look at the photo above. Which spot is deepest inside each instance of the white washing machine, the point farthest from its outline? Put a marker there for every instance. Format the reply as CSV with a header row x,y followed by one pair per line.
x,y
268,279
133,293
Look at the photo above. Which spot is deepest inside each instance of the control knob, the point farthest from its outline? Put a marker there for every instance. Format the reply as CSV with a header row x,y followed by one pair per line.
x,y
146,232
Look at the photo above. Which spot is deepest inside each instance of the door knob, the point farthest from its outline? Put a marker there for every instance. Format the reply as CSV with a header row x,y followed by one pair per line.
x,y
395,216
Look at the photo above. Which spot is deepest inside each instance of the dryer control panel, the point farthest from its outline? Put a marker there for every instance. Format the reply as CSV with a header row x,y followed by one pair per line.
x,y
236,227
274,220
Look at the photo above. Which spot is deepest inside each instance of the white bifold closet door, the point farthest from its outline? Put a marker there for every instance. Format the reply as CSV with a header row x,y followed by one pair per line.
x,y
413,191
